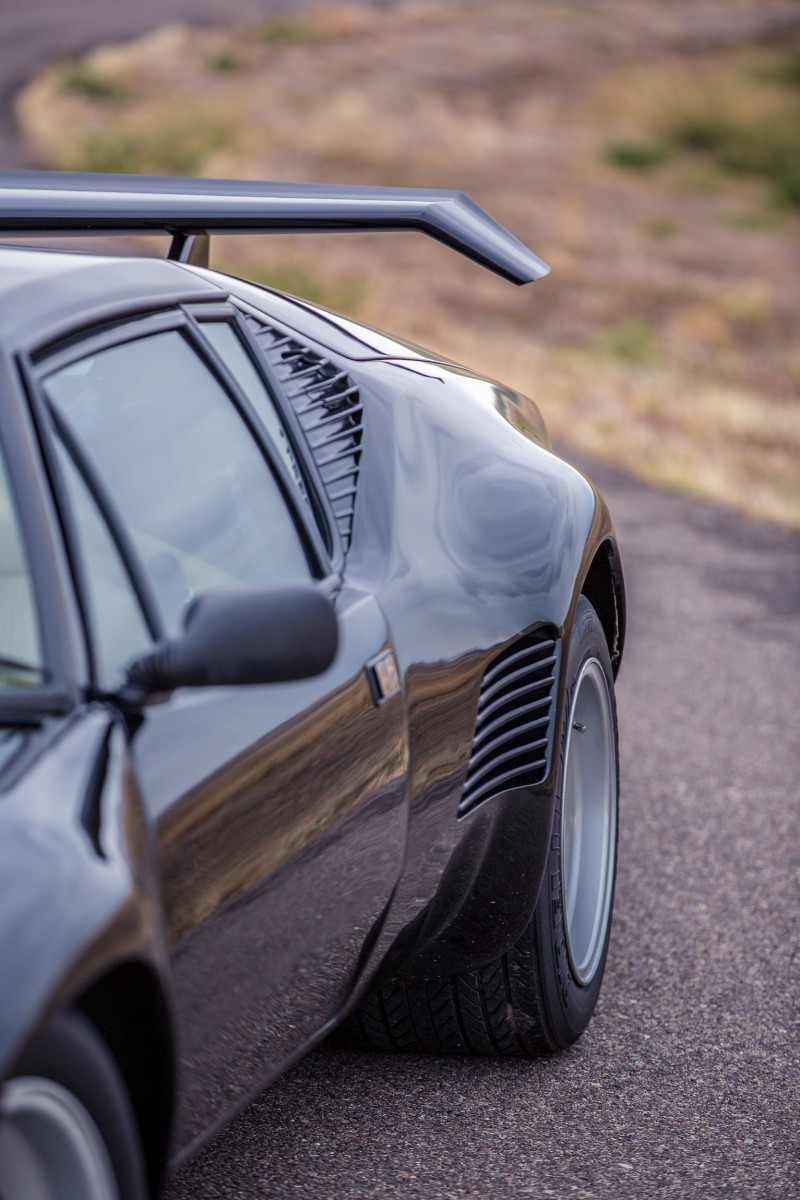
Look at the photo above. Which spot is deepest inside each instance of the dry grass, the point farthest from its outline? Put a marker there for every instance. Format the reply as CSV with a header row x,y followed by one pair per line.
x,y
650,153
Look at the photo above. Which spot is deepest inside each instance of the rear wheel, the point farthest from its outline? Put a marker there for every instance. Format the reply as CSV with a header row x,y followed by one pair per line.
x,y
67,1131
540,995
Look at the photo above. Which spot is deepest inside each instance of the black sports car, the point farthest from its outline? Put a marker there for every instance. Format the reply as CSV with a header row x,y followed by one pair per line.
x,y
307,658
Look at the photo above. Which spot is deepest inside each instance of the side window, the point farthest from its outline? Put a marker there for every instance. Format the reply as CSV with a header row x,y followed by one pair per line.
x,y
228,345
21,662
118,628
196,496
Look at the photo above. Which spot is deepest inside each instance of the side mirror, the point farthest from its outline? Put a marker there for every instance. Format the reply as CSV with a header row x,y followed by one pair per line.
x,y
246,637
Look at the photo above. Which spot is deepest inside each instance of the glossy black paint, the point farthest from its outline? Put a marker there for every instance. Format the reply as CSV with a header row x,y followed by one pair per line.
x,y
281,815
80,895
247,637
262,854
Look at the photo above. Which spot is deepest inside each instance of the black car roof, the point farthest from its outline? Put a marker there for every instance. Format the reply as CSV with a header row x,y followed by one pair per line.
x,y
43,292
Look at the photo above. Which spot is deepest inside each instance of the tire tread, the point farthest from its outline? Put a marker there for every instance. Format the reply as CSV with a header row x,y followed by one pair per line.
x,y
511,1005
494,1011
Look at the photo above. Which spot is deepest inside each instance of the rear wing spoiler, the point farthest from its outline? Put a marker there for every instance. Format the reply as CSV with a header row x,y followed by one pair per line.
x,y
55,202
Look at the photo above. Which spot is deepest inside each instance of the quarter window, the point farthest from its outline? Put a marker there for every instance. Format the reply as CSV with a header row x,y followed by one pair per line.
x,y
229,346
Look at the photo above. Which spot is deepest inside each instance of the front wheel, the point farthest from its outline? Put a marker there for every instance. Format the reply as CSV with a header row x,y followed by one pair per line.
x,y
540,995
67,1131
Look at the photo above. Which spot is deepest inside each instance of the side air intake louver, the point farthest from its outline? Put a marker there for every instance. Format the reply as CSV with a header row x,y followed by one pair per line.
x,y
513,733
329,407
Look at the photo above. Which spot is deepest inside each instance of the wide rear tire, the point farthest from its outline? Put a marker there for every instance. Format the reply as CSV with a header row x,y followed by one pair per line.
x,y
539,996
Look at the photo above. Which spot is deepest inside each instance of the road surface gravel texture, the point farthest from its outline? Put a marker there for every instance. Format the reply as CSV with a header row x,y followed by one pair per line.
x,y
687,1083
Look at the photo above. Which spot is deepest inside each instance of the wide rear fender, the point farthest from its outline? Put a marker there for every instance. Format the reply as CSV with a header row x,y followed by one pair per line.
x,y
471,530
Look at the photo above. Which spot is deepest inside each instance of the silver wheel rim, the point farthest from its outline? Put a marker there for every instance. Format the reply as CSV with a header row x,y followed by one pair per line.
x,y
588,821
50,1148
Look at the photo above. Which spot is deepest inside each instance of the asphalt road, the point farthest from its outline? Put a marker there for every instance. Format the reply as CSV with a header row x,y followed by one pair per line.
x,y
688,1081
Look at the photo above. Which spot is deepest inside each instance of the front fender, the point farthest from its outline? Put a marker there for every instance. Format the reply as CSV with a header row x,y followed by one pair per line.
x,y
75,874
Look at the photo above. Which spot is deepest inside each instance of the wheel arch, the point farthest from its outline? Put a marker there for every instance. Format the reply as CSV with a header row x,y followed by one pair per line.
x,y
128,1008
604,588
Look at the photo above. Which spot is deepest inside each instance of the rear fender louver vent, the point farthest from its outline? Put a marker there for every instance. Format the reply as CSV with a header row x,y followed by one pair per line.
x,y
328,405
514,727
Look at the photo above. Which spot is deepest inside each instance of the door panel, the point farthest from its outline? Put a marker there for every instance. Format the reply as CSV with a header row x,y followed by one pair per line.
x,y
282,818
280,811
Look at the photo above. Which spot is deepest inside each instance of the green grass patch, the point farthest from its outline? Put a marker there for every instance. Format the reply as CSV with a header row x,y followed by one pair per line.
x,y
177,149
767,221
636,155
660,229
768,150
84,81
632,341
108,153
283,31
699,176
224,63
784,70
744,126
703,130
789,70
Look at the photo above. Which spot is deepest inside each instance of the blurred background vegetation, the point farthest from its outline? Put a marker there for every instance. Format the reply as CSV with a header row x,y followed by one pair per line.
x,y
650,153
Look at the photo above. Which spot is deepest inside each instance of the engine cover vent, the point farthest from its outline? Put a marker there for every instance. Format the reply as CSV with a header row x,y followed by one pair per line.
x,y
328,405
514,726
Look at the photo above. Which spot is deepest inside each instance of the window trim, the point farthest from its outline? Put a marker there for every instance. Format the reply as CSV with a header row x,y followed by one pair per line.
x,y
324,517
309,530
225,314
108,514
42,668
190,316
59,619
184,321
47,421
203,320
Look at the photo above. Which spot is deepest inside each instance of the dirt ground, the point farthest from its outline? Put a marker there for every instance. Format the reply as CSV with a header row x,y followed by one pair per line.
x,y
649,153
